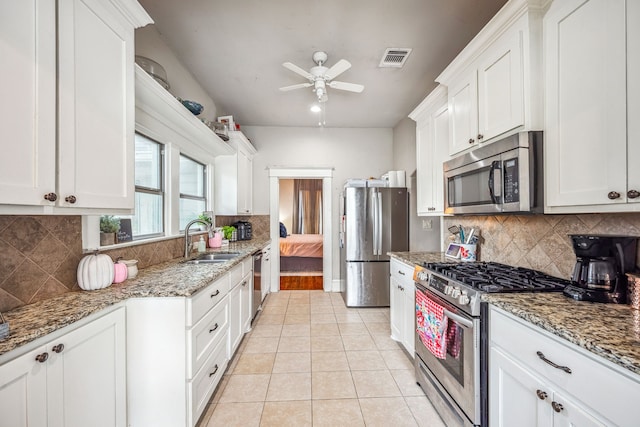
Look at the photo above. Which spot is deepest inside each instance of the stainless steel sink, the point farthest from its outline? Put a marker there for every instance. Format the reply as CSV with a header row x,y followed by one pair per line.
x,y
211,258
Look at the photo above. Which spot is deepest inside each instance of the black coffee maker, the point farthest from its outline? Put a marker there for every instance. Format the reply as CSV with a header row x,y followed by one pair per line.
x,y
601,264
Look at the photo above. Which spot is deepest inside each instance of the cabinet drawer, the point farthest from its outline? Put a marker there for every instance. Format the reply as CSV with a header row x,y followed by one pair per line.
x,y
206,380
247,265
206,299
593,382
402,272
205,335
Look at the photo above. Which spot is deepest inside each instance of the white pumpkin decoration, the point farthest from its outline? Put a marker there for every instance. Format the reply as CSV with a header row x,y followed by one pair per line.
x,y
95,272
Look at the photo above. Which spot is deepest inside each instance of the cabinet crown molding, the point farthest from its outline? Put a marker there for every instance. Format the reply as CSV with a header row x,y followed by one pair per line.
x,y
133,12
500,23
434,98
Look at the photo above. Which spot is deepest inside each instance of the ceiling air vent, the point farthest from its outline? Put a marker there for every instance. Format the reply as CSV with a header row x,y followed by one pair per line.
x,y
394,57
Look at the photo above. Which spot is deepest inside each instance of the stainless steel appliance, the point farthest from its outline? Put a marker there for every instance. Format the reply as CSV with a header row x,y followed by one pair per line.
x,y
243,230
602,262
374,221
457,383
504,176
257,283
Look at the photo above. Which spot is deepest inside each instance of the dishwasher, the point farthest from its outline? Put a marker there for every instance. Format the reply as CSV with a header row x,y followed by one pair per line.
x,y
257,283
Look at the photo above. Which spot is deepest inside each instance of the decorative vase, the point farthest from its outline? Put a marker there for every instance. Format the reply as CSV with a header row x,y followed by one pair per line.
x,y
107,239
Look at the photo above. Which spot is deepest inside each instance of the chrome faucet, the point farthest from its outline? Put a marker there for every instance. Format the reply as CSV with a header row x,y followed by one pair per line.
x,y
187,240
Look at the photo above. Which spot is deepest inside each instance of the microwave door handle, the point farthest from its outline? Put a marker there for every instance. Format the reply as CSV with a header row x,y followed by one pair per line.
x,y
495,187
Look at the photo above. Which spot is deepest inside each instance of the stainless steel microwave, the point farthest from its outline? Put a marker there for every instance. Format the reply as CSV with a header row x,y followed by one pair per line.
x,y
504,176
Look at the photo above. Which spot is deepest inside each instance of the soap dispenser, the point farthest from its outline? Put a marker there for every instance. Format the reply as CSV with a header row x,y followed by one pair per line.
x,y
202,246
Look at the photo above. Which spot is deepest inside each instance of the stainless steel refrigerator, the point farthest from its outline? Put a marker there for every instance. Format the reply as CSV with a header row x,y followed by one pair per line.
x,y
374,221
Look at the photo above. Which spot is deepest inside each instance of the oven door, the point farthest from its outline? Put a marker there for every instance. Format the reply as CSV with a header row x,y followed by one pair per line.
x,y
474,188
459,371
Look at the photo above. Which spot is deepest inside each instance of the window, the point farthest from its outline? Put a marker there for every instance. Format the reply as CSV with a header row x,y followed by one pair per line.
x,y
148,220
192,190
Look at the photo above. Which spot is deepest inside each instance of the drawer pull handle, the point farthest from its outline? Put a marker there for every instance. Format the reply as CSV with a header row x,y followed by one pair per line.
x,y
215,369
549,362
401,272
216,293
542,395
214,328
41,358
58,348
557,406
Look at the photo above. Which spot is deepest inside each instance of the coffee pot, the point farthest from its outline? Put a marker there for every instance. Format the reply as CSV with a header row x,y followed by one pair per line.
x,y
601,264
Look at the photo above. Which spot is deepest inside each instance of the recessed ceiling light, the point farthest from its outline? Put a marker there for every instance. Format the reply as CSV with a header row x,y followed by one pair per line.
x,y
315,108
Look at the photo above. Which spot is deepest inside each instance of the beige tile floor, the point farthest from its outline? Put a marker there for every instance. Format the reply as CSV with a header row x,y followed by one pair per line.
x,y
311,361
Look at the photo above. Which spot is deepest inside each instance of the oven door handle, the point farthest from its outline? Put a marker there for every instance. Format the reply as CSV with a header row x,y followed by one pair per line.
x,y
457,318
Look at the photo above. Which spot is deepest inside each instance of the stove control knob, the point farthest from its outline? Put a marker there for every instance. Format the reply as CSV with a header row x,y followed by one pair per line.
x,y
423,275
455,292
448,289
464,299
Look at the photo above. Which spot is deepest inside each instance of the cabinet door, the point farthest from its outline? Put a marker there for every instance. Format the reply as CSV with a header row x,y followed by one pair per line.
x,y
463,110
633,98
424,156
235,319
409,318
440,124
96,105
23,391
585,102
86,380
27,101
569,414
396,308
246,302
501,88
265,272
516,398
245,165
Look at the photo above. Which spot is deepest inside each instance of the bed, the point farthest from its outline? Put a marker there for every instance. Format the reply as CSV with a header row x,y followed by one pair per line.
x,y
301,252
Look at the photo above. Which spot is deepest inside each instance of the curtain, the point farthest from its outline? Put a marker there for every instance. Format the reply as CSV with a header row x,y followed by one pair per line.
x,y
307,206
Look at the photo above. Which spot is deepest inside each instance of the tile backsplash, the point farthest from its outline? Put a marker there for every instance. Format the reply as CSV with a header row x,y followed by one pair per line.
x,y
39,255
540,241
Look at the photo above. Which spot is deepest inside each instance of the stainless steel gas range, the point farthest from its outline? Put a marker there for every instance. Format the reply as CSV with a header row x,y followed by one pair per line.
x,y
451,364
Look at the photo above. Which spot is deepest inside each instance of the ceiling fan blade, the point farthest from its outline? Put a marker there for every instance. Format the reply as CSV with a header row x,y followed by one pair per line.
x,y
351,87
298,86
338,68
298,70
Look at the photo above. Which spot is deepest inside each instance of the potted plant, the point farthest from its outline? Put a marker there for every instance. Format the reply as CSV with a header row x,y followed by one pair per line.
x,y
206,218
109,226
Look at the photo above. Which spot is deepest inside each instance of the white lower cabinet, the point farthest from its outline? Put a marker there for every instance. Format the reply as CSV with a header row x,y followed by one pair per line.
x,y
526,390
402,305
240,303
75,380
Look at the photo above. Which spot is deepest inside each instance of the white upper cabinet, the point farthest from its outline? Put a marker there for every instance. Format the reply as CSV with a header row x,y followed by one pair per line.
x,y
234,178
432,145
76,151
494,84
591,106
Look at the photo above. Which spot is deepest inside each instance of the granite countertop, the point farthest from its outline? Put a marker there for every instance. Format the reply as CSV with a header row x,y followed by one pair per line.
x,y
611,331
169,279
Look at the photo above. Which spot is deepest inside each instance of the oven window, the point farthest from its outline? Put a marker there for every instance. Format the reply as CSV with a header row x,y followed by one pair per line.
x,y
470,188
455,352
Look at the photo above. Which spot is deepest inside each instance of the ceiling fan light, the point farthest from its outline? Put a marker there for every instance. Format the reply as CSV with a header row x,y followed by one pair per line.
x,y
315,108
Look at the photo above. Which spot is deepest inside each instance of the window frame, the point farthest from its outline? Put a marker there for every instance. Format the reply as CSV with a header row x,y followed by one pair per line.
x,y
149,190
205,187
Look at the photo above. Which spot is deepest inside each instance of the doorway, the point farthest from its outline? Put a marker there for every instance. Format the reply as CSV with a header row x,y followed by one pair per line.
x,y
321,225
301,229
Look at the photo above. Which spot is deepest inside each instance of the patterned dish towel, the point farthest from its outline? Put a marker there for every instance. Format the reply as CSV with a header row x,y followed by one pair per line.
x,y
431,325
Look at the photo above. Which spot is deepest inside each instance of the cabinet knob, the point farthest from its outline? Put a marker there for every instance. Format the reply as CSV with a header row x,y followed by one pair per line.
x,y
215,369
244,283
613,195
401,272
216,293
51,197
557,406
70,199
471,140
633,194
42,357
58,348
542,395
480,136
214,328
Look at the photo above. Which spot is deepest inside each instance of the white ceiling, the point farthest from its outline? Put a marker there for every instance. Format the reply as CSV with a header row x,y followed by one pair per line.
x,y
235,49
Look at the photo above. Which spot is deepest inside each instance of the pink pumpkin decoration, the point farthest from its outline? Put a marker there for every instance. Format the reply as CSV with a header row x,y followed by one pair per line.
x,y
119,272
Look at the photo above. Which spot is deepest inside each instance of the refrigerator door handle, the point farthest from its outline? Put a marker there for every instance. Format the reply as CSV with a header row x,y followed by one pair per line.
x,y
379,208
374,210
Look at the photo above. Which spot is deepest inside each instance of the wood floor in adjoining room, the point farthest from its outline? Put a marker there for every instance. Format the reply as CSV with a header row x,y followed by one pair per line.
x,y
300,283
311,361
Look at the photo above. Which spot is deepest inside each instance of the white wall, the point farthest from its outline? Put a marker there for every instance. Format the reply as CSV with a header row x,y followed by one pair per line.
x,y
351,152
149,43
404,158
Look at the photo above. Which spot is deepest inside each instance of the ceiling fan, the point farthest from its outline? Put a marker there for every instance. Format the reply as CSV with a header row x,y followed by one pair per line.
x,y
321,77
